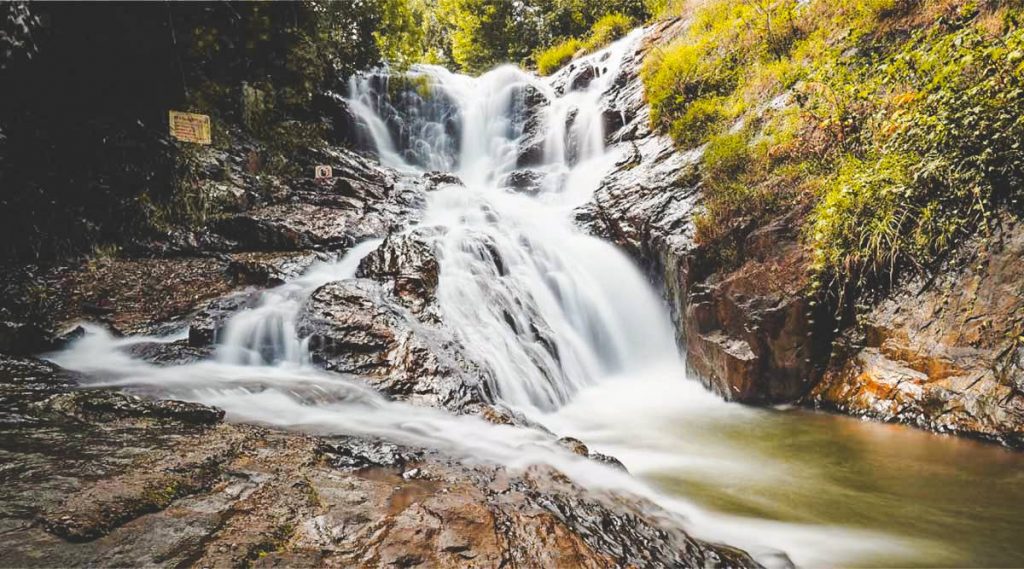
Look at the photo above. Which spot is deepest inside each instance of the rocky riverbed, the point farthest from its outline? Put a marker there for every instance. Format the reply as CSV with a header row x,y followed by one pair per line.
x,y
100,476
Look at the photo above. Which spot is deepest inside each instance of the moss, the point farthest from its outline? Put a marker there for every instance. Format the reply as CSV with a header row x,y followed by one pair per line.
x,y
275,542
158,497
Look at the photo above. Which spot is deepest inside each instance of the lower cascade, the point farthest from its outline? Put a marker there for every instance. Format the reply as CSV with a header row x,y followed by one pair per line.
x,y
559,328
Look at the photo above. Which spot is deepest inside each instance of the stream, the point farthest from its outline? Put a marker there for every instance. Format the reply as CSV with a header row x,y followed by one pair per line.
x,y
571,335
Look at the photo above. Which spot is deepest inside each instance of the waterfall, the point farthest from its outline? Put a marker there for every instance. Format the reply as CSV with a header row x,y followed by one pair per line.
x,y
565,326
266,334
545,309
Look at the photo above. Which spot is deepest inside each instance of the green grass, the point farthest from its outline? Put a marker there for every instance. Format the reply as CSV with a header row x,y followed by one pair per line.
x,y
901,124
553,58
604,31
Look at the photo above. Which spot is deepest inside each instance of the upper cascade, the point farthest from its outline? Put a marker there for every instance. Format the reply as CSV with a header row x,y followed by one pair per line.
x,y
483,128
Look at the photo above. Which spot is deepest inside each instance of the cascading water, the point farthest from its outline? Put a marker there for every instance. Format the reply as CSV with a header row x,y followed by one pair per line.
x,y
533,300
266,334
567,328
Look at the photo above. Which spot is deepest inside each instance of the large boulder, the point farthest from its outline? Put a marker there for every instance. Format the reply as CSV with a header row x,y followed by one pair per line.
x,y
529,182
207,324
360,201
531,109
357,327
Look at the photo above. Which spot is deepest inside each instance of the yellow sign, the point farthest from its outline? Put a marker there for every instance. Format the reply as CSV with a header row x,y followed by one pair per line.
x,y
190,127
323,172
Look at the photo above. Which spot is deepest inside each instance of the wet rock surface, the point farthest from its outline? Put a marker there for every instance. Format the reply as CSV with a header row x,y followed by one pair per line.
x,y
357,327
406,261
128,296
207,324
944,354
361,201
270,269
120,488
529,182
531,108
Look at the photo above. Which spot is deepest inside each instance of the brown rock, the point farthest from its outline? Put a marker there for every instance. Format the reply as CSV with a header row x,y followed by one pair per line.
x,y
355,327
944,354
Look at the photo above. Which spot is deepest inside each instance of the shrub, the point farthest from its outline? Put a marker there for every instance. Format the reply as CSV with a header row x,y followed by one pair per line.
x,y
681,74
606,30
731,191
553,58
898,122
701,119
726,158
856,225
946,154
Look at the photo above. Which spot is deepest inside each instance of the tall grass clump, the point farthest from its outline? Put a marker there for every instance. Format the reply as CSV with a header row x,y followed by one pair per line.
x,y
604,31
553,58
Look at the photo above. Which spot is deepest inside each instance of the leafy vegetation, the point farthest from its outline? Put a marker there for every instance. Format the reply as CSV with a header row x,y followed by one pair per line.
x,y
604,31
484,33
553,58
608,29
85,159
898,125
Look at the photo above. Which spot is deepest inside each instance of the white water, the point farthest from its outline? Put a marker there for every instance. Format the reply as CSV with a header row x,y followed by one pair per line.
x,y
571,332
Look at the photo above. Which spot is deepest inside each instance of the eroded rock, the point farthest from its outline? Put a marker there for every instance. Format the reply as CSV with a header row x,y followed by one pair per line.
x,y
356,327
943,354
207,324
361,201
407,262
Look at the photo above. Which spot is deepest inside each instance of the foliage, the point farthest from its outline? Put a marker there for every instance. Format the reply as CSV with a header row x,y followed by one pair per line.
x,y
484,33
401,34
553,58
862,214
604,31
900,123
84,154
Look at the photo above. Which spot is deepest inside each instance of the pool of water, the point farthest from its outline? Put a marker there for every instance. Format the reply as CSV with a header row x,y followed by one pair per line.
x,y
898,495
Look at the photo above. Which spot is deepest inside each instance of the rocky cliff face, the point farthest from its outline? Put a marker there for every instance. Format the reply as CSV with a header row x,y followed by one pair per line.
x,y
942,353
745,331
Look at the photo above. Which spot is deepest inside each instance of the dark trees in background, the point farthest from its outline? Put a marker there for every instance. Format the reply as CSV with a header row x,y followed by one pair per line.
x,y
85,89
